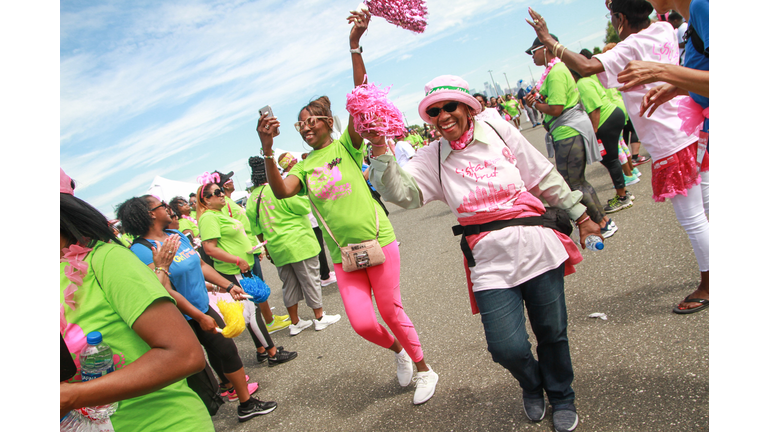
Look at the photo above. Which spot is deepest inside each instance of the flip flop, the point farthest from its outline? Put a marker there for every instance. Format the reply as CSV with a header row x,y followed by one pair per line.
x,y
704,305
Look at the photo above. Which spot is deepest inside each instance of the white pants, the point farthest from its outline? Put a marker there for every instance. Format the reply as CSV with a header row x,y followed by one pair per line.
x,y
690,211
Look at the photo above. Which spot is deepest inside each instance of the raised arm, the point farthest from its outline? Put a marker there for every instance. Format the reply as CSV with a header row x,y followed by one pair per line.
x,y
361,20
584,66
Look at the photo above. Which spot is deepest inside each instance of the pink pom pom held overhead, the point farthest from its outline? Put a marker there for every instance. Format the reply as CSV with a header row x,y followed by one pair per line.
x,y
373,112
408,14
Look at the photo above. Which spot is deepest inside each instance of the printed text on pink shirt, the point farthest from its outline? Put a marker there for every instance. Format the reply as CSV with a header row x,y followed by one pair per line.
x,y
482,171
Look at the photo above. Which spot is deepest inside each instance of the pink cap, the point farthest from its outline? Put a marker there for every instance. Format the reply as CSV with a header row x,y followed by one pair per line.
x,y
447,88
65,183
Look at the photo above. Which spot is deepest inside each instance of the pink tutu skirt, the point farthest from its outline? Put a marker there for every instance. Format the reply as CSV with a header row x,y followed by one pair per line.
x,y
675,174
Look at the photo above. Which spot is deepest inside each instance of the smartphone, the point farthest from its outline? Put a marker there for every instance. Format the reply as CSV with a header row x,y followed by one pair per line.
x,y
268,111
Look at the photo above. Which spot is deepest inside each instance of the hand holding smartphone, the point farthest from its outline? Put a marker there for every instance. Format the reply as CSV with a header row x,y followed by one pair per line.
x,y
268,111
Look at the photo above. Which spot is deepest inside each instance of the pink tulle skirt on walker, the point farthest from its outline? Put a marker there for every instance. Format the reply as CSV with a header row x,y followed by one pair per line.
x,y
675,174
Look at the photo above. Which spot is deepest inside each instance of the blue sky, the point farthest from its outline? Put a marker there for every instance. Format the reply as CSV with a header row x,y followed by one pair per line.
x,y
173,88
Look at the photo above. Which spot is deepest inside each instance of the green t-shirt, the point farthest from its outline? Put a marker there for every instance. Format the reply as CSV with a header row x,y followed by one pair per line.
x,y
231,238
593,97
341,194
284,224
111,305
232,209
122,239
615,96
186,224
511,107
193,214
560,89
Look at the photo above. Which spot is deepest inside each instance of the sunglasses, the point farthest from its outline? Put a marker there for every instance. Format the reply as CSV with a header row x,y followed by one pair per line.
x,y
537,48
162,204
311,122
217,192
449,107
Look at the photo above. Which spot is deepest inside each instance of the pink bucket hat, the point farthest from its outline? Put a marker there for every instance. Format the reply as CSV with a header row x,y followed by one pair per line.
x,y
65,183
447,88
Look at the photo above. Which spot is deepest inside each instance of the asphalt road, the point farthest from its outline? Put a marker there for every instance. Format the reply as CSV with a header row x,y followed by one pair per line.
x,y
642,369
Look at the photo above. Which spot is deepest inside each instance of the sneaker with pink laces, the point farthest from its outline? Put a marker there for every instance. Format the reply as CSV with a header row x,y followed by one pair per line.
x,y
223,390
232,394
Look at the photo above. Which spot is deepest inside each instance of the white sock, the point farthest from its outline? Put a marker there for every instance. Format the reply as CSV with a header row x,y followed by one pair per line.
x,y
401,353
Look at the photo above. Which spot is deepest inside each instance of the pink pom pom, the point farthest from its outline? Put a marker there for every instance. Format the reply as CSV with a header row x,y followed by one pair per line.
x,y
408,14
373,112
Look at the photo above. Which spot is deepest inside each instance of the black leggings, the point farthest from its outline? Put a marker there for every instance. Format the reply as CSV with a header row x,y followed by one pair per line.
x,y
571,162
630,136
325,272
609,133
222,352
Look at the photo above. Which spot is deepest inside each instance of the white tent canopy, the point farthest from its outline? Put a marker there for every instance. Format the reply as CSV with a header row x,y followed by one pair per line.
x,y
165,189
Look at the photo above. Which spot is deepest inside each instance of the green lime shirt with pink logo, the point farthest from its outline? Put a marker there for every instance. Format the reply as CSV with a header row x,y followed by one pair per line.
x,y
342,196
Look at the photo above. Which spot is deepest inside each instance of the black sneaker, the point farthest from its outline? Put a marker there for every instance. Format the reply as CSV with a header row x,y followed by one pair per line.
x,y
262,357
617,203
253,408
282,356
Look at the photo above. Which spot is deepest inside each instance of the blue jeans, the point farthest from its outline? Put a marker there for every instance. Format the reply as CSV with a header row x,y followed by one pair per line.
x,y
504,322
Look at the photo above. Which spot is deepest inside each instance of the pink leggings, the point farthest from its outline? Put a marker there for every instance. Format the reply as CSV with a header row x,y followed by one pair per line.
x,y
384,281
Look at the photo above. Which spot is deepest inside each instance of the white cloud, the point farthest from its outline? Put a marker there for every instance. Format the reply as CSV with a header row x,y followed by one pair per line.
x,y
152,83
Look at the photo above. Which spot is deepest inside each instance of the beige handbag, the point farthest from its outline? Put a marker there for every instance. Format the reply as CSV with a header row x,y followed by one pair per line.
x,y
357,256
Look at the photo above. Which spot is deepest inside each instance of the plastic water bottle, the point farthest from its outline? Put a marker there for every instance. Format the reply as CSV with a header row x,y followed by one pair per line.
x,y
75,422
96,361
594,243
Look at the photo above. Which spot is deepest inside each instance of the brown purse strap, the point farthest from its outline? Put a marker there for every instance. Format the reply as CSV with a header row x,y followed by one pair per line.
x,y
309,195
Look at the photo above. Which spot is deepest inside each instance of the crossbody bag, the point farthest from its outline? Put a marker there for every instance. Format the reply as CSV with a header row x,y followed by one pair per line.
x,y
354,256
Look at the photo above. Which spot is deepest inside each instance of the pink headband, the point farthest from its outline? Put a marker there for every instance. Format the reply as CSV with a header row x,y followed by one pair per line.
x,y
206,178
65,183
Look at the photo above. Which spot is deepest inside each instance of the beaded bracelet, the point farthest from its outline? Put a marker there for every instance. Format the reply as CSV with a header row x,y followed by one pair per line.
x,y
160,269
582,221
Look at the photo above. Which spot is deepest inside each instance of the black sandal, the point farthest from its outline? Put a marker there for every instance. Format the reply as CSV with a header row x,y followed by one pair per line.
x,y
704,305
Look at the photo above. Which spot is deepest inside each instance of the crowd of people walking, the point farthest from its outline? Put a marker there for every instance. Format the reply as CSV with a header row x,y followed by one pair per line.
x,y
137,279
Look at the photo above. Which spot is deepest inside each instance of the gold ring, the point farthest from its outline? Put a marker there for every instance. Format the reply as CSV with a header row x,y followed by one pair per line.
x,y
535,21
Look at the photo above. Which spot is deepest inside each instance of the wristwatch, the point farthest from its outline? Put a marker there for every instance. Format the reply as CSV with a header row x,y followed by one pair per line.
x,y
358,50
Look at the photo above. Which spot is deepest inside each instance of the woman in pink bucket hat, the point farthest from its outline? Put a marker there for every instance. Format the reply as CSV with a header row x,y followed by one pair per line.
x,y
493,180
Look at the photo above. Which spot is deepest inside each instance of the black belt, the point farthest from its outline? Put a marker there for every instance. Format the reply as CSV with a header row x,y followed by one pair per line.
x,y
466,230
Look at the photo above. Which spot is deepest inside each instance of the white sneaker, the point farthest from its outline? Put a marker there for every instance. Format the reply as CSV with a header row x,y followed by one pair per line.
x,y
297,328
331,279
425,386
326,321
404,368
